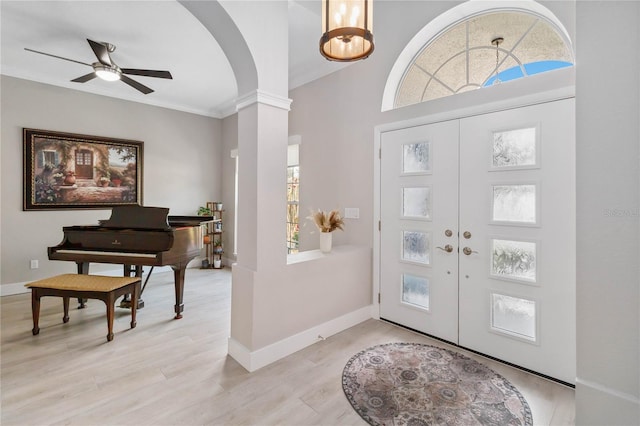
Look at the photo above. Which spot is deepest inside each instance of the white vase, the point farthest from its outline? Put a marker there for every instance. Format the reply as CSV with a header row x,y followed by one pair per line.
x,y
325,242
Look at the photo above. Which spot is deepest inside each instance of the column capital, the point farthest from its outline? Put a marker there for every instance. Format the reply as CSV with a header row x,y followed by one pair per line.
x,y
262,97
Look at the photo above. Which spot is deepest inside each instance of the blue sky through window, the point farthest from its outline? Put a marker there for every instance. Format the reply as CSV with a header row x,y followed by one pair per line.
x,y
532,68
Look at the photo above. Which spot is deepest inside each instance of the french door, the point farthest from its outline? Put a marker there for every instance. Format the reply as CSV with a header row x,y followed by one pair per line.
x,y
84,164
477,234
419,212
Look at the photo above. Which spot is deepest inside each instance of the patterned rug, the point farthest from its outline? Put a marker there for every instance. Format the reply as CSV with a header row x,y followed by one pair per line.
x,y
413,384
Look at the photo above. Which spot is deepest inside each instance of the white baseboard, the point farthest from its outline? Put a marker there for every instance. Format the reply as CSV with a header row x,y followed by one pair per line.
x,y
13,288
597,404
255,360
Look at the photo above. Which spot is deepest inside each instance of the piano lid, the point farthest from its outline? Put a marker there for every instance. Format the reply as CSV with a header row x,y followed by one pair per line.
x,y
138,217
179,221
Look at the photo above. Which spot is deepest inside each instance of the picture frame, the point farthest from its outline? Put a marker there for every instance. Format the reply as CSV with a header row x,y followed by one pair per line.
x,y
73,171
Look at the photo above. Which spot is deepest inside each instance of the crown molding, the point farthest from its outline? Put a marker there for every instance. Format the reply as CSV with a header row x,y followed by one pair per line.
x,y
262,97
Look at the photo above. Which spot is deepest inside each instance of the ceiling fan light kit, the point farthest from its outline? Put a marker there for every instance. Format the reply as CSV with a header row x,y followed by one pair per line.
x,y
106,73
107,70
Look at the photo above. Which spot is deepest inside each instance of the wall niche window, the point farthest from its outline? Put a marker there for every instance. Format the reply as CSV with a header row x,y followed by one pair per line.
x,y
293,199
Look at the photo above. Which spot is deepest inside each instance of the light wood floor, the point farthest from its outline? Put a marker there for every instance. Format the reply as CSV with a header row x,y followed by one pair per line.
x,y
168,371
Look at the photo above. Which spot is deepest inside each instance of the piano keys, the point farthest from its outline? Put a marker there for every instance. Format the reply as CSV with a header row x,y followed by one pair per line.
x,y
136,236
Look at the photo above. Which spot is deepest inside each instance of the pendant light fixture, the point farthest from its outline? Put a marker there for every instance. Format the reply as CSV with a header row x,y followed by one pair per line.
x,y
496,42
346,30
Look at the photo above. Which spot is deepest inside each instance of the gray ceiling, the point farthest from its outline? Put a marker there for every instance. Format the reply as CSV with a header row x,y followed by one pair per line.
x,y
159,35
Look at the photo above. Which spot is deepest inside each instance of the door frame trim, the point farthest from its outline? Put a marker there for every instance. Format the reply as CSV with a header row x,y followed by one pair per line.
x,y
566,92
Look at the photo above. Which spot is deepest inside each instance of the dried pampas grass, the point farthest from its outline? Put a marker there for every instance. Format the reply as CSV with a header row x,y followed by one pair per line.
x,y
327,222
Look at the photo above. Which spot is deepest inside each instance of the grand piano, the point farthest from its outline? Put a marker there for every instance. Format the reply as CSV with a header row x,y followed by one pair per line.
x,y
135,236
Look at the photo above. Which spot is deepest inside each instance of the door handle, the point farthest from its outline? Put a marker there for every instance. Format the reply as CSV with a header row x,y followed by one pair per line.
x,y
448,248
468,251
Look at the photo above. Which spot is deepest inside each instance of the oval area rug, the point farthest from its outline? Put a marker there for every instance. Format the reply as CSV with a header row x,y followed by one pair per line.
x,y
415,384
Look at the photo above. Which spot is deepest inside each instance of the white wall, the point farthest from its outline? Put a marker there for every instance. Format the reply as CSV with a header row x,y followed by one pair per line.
x,y
182,165
608,213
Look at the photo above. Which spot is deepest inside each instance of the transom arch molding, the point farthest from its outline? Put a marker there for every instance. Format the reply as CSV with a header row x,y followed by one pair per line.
x,y
454,52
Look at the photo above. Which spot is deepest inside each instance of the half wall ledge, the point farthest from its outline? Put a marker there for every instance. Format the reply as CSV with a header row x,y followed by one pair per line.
x,y
310,255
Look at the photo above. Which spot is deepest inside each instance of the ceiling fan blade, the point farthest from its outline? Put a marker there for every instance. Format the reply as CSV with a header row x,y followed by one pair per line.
x,y
148,73
101,51
58,57
141,87
85,78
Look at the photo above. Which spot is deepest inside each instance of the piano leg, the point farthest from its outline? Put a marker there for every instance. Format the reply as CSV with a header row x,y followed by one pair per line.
x,y
83,268
178,275
126,302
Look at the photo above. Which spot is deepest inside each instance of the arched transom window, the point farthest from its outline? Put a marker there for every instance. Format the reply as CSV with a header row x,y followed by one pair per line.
x,y
463,58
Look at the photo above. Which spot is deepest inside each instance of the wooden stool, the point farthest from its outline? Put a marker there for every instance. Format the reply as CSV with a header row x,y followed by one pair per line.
x,y
107,289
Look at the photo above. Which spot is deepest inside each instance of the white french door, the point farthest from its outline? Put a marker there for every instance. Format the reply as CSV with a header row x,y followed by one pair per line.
x,y
503,186
419,213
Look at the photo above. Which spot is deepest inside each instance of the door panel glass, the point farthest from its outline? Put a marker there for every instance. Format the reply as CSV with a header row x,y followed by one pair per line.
x,y
513,259
513,316
415,291
416,157
415,246
514,203
416,203
514,148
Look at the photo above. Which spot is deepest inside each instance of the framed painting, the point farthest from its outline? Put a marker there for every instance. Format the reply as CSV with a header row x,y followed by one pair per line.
x,y
71,171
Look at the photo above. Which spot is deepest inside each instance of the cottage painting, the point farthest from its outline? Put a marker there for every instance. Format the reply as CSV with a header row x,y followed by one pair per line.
x,y
70,171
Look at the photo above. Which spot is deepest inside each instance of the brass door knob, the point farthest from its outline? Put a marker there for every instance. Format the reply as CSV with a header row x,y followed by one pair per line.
x,y
448,232
466,235
448,248
468,251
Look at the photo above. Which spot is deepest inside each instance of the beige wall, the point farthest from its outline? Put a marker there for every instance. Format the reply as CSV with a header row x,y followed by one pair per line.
x,y
229,143
182,165
336,116
608,214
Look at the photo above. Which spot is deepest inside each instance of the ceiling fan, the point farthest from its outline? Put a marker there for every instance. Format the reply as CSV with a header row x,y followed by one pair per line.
x,y
106,69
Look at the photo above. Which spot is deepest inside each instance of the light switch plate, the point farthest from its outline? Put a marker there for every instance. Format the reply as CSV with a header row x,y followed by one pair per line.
x,y
351,213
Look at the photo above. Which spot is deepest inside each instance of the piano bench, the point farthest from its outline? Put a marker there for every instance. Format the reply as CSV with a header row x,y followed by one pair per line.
x,y
107,289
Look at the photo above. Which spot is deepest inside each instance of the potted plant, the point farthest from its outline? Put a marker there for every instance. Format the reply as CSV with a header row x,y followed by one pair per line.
x,y
69,177
103,181
58,178
217,246
326,224
204,211
116,177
